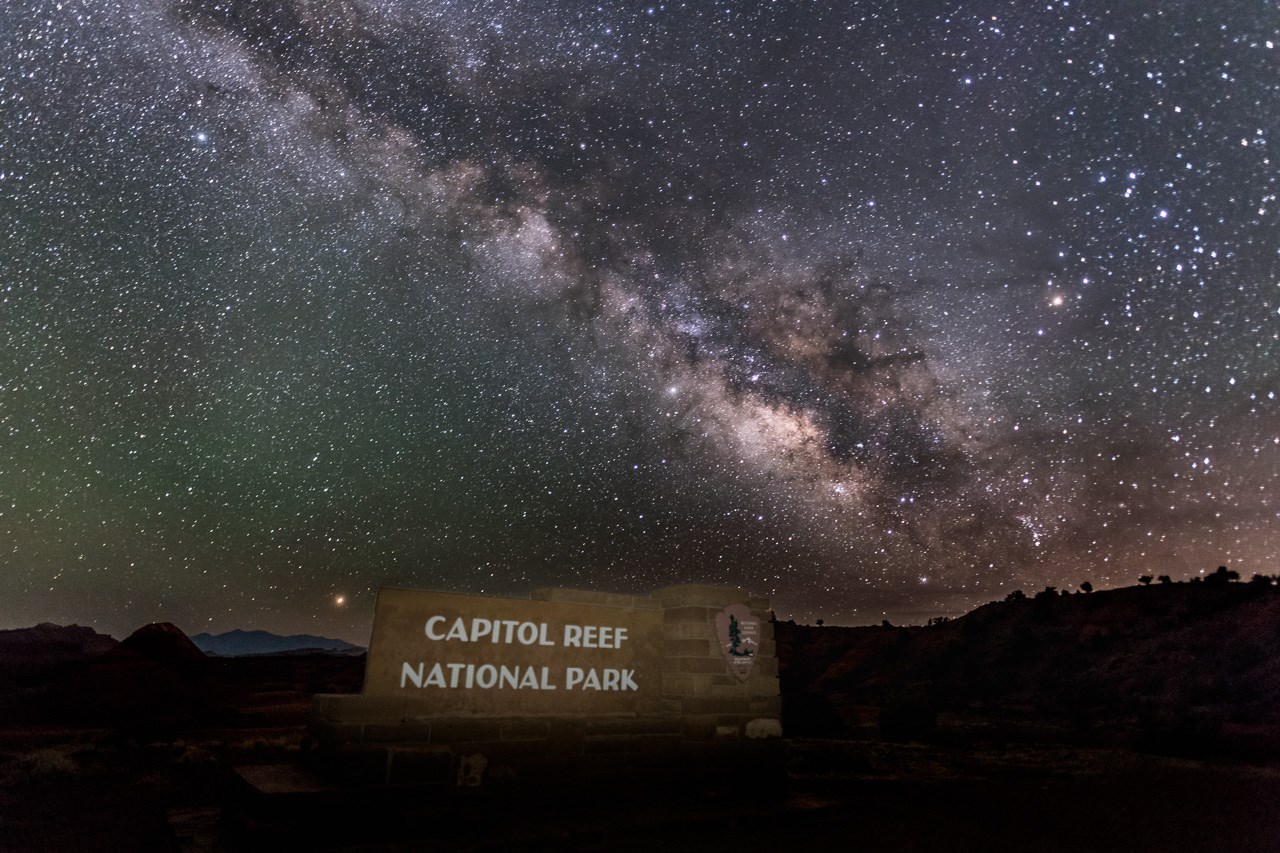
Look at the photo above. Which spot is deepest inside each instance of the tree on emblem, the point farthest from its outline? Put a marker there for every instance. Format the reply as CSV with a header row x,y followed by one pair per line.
x,y
735,639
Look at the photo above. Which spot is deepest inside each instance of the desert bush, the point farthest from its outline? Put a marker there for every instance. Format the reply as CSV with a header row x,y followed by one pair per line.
x,y
53,761
194,754
1222,577
284,743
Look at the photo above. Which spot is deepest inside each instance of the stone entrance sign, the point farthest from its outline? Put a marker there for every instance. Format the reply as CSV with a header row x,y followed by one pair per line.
x,y
467,690
480,655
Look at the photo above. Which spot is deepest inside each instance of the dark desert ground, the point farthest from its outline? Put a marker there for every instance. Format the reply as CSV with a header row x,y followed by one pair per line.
x,y
1141,718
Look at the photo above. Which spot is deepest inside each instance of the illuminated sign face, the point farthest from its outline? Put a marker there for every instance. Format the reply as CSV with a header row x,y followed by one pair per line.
x,y
480,655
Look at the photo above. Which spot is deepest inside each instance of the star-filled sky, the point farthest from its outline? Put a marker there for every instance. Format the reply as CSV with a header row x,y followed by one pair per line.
x,y
880,309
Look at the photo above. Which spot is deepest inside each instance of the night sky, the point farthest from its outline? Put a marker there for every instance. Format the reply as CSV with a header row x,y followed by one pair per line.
x,y
879,309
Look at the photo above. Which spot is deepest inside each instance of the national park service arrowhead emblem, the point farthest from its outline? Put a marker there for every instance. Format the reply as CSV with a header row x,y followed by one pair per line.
x,y
738,632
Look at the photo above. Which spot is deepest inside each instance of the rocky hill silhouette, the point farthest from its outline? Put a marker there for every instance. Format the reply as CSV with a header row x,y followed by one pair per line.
x,y
157,682
47,643
153,682
1180,668
160,642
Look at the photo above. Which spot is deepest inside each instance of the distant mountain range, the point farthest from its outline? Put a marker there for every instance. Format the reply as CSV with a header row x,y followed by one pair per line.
x,y
240,643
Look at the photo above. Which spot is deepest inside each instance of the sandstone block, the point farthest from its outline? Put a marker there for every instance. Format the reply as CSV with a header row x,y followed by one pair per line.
x,y
397,733
715,705
420,766
331,735
361,766
571,596
704,594
525,729
696,615
358,708
763,728
696,630
633,726
763,685
697,647
455,729
685,684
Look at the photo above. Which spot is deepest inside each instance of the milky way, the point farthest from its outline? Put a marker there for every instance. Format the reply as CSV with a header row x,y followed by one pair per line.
x,y
880,310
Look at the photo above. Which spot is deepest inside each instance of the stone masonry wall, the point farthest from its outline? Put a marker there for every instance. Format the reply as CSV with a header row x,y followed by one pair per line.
x,y
695,683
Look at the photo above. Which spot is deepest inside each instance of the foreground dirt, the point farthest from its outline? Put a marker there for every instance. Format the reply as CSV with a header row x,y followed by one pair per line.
x,y
64,790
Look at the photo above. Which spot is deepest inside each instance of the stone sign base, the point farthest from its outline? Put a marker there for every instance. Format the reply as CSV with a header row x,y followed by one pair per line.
x,y
469,752
713,713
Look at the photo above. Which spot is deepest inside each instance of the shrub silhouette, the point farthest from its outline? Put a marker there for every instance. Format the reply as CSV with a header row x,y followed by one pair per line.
x,y
1086,587
1145,580
1222,577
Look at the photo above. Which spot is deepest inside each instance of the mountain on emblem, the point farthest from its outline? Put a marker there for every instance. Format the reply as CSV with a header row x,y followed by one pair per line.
x,y
738,634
